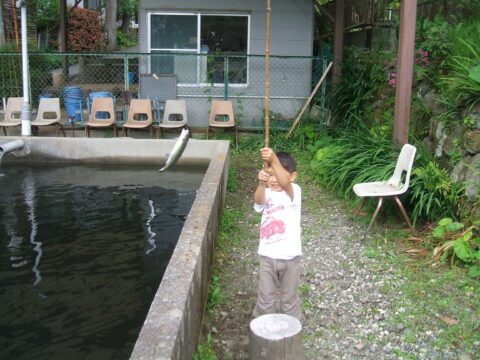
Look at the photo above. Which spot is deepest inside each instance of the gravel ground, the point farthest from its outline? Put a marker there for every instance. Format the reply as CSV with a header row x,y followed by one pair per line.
x,y
346,313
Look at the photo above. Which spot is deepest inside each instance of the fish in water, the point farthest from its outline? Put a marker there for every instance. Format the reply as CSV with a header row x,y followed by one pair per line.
x,y
177,148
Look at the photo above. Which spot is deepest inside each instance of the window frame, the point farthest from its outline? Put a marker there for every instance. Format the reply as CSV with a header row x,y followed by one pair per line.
x,y
197,51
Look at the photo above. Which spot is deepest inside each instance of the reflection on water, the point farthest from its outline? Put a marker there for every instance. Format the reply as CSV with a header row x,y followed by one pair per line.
x,y
80,263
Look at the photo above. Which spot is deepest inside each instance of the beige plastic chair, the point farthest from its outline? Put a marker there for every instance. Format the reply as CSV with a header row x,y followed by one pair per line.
x,y
139,107
222,108
174,109
13,113
50,106
101,105
390,188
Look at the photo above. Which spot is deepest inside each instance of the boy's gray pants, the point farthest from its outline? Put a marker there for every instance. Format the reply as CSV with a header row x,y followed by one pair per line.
x,y
283,275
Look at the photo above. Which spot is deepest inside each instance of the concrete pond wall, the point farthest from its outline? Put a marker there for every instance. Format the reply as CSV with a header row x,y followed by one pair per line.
x,y
172,327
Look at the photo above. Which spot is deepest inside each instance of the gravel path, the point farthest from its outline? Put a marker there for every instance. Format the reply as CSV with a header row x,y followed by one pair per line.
x,y
346,313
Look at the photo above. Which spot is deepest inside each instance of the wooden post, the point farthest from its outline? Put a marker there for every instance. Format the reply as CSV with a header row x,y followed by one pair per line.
x,y
276,337
403,93
338,41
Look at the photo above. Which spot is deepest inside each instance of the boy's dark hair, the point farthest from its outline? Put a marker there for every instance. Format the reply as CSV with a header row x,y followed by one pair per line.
x,y
288,161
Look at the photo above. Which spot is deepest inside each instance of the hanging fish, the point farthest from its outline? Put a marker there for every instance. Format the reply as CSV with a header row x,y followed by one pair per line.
x,y
177,148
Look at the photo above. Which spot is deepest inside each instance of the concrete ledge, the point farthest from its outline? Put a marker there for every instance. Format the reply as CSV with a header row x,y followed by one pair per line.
x,y
172,327
112,150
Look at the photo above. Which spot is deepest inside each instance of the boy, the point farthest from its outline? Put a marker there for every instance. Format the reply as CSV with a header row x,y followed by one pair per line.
x,y
280,249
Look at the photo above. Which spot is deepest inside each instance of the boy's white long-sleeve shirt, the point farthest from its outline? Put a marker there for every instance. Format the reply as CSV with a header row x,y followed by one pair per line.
x,y
280,231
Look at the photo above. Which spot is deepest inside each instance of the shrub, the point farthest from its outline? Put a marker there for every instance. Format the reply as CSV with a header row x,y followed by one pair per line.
x,y
433,194
458,244
84,30
433,36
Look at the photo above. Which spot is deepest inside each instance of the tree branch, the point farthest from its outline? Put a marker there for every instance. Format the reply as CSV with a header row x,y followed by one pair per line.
x,y
320,8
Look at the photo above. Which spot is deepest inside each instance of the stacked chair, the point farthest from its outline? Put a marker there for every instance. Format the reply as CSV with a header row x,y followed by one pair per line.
x,y
221,116
174,116
139,116
102,115
46,107
12,113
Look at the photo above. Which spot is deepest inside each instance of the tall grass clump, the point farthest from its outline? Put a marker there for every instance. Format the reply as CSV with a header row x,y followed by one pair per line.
x,y
462,82
367,154
357,156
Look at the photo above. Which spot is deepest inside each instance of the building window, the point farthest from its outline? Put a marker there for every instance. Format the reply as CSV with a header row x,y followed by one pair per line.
x,y
211,35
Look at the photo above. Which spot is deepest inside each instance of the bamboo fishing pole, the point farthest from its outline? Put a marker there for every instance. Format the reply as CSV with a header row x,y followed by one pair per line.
x,y
267,80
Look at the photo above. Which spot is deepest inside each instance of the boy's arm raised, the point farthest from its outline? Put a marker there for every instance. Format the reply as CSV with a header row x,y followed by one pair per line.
x,y
259,196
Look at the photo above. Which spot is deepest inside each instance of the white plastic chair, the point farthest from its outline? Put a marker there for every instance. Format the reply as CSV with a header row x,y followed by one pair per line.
x,y
12,113
48,106
391,188
174,109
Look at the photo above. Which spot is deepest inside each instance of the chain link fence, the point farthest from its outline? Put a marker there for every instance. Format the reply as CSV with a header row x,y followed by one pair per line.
x,y
196,78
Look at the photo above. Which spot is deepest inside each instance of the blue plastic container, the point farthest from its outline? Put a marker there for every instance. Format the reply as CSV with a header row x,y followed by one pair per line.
x,y
74,110
44,96
131,77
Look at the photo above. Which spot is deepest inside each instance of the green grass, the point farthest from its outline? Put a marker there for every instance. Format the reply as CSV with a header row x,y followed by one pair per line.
x,y
304,289
205,350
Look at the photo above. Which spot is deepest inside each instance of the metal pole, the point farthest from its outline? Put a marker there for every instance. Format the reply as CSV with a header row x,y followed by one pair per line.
x,y
125,73
225,77
26,110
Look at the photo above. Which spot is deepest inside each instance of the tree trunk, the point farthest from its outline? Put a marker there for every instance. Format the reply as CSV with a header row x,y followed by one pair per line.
x,y
126,25
338,41
2,26
63,36
111,25
276,337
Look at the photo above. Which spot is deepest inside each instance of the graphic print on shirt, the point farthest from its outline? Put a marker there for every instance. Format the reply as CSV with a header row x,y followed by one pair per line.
x,y
271,227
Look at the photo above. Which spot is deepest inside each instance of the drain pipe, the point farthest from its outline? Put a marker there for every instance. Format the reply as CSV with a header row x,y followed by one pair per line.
x,y
11,146
26,109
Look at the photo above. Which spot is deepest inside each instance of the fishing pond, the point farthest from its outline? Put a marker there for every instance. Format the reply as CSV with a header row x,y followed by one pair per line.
x,y
83,251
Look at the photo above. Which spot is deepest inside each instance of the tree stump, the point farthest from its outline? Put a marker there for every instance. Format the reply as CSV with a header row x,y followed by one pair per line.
x,y
276,337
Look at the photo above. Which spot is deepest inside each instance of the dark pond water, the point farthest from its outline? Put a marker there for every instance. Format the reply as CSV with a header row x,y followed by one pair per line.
x,y
80,262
